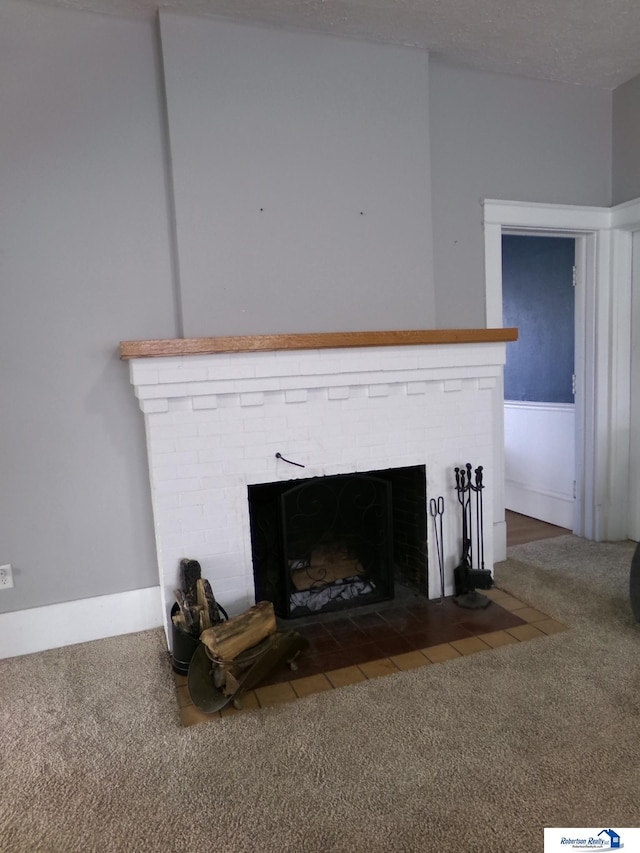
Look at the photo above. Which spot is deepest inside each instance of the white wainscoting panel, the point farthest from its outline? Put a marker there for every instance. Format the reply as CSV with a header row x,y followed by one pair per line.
x,y
540,460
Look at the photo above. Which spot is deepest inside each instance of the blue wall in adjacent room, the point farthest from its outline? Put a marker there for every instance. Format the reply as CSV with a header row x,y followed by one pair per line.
x,y
539,299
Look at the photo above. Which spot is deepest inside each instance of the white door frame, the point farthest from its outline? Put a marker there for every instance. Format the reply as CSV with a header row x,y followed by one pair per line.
x,y
634,431
603,251
625,219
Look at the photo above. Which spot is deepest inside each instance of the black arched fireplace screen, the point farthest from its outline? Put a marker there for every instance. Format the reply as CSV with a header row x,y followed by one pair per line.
x,y
328,542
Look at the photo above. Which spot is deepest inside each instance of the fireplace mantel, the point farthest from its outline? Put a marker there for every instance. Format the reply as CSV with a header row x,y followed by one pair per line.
x,y
313,340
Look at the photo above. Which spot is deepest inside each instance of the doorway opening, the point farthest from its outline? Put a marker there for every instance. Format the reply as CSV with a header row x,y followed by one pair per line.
x,y
538,297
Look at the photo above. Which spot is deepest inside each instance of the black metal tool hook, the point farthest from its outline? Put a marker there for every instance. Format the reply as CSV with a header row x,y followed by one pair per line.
x,y
297,464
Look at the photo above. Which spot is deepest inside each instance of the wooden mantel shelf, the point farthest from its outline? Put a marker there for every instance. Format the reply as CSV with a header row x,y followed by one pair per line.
x,y
314,340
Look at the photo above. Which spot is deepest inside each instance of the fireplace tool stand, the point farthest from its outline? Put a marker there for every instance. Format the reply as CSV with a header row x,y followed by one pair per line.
x,y
468,579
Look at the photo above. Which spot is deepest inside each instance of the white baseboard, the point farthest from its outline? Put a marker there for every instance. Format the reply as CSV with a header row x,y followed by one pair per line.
x,y
23,632
545,506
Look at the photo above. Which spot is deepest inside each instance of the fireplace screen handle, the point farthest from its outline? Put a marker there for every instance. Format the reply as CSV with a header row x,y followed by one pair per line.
x,y
297,464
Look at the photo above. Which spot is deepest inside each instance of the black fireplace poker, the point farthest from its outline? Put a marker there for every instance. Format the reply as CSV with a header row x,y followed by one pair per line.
x,y
467,578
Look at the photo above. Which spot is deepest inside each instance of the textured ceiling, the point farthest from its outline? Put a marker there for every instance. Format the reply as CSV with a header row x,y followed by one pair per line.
x,y
587,42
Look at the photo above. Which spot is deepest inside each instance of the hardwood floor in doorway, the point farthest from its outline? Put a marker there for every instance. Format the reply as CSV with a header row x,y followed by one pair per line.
x,y
522,529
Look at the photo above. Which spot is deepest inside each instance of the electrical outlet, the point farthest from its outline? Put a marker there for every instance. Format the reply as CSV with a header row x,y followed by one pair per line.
x,y
6,577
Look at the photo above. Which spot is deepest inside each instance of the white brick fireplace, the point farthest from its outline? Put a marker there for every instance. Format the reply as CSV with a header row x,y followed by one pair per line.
x,y
215,422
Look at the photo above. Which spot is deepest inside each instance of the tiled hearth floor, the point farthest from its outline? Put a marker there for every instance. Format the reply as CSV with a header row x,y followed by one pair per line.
x,y
352,647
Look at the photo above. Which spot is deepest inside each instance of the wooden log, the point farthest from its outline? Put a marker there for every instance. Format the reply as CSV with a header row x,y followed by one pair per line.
x,y
226,640
325,568
187,617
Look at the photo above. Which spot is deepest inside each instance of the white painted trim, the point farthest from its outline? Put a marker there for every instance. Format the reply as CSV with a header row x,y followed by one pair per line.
x,y
585,247
493,314
599,423
634,418
500,526
536,406
624,517
539,466
626,216
552,507
545,217
616,525
23,632
554,494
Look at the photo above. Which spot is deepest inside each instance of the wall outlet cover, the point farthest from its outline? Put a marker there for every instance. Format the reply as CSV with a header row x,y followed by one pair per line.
x,y
6,577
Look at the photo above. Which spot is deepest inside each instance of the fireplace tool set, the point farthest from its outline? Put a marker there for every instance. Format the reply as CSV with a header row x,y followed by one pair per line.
x,y
224,658
467,578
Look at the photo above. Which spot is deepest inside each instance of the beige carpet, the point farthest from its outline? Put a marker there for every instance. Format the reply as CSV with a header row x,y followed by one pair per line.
x,y
476,754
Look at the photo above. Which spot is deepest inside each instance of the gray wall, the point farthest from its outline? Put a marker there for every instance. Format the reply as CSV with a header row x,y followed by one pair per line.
x,y
626,133
86,260
502,137
301,174
84,263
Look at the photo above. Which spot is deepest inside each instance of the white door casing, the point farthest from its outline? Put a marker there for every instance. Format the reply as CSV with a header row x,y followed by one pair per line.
x,y
603,350
634,433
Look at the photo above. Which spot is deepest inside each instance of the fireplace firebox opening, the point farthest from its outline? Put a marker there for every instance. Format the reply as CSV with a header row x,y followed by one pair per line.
x,y
328,543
